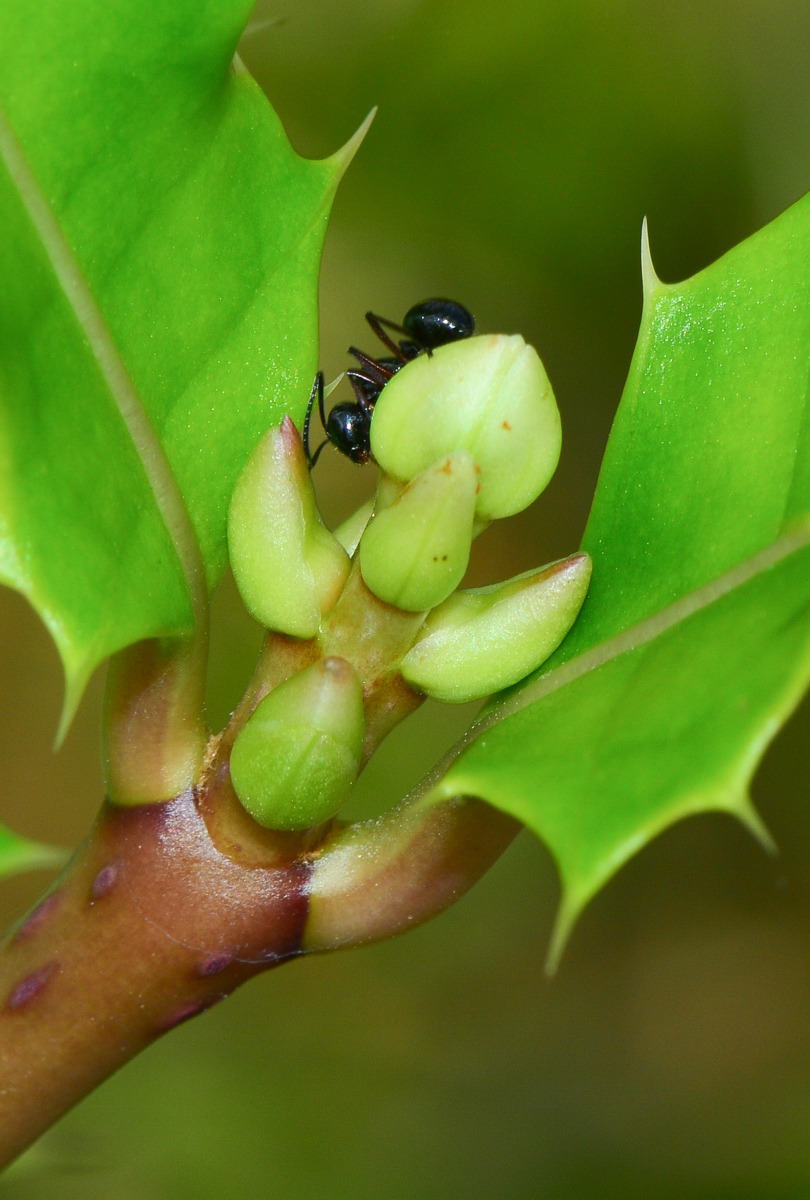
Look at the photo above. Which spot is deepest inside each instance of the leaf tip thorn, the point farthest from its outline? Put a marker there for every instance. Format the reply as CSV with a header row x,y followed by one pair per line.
x,y
76,678
342,157
564,922
649,277
753,822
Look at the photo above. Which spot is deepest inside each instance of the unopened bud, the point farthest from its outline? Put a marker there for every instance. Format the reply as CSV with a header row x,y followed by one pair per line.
x,y
414,553
487,395
296,759
480,641
289,568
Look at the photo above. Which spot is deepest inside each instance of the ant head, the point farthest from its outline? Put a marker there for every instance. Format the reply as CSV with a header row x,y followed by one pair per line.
x,y
434,323
349,430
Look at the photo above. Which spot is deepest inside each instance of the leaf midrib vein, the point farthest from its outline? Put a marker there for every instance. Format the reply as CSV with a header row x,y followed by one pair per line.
x,y
112,367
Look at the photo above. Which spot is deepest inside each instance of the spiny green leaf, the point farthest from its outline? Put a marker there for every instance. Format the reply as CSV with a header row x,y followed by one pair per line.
x,y
694,643
159,250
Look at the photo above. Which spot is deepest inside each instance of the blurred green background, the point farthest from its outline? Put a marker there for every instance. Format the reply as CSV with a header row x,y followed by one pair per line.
x,y
516,150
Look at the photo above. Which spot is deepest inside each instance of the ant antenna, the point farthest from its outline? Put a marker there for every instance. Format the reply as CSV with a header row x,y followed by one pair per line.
x,y
317,392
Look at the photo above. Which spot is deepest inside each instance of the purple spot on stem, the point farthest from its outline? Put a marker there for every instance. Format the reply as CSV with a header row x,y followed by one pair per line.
x,y
104,882
31,986
179,1016
38,917
214,964
187,1011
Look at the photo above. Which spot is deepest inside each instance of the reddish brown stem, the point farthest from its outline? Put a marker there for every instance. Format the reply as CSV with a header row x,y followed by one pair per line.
x,y
170,906
160,916
150,925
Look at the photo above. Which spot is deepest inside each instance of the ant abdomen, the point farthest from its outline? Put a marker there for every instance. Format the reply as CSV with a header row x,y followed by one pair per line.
x,y
435,323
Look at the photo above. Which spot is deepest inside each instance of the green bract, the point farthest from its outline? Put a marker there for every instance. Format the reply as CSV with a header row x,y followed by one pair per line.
x,y
487,395
414,553
480,641
289,568
295,761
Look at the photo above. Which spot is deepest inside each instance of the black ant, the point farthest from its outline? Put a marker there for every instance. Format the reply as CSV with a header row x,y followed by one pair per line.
x,y
426,326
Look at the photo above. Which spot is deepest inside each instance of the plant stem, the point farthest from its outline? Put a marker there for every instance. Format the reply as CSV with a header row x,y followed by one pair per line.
x,y
154,720
150,924
169,907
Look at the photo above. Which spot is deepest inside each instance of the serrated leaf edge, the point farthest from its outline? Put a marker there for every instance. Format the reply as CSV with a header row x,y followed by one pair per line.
x,y
730,795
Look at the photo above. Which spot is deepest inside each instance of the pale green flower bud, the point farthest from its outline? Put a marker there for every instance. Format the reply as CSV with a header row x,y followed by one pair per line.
x,y
487,395
289,568
414,553
296,759
480,641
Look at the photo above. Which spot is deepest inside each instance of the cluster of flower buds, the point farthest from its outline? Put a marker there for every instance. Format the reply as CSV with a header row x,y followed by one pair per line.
x,y
462,437
472,433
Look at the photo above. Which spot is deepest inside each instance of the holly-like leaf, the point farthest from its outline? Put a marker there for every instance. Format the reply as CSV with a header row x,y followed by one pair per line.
x,y
159,251
694,643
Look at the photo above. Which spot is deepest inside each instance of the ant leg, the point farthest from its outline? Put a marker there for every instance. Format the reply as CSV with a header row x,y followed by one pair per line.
x,y
374,370
377,323
321,409
317,391
317,454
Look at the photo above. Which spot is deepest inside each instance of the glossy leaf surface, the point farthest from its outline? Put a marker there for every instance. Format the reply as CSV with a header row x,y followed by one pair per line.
x,y
694,643
159,250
